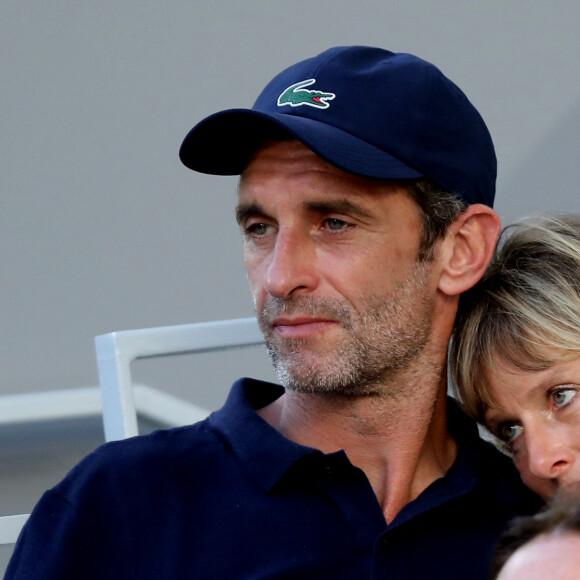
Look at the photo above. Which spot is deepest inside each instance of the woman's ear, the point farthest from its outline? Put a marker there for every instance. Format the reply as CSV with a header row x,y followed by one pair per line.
x,y
468,248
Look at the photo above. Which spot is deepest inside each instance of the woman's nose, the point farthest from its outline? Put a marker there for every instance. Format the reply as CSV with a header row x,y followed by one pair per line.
x,y
549,454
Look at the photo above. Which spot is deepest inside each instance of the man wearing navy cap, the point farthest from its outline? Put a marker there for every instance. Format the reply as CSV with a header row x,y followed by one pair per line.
x,y
367,180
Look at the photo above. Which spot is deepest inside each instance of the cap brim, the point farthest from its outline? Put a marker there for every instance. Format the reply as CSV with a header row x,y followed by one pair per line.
x,y
223,143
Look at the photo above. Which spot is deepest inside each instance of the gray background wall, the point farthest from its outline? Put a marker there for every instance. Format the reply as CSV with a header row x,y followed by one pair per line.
x,y
103,229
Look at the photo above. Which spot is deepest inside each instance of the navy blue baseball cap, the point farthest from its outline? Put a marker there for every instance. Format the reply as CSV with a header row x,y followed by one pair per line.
x,y
366,110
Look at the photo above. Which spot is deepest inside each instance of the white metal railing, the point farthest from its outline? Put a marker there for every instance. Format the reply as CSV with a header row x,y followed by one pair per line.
x,y
117,350
118,399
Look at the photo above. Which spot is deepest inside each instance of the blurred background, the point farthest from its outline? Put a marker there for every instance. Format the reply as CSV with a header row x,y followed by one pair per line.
x,y
103,229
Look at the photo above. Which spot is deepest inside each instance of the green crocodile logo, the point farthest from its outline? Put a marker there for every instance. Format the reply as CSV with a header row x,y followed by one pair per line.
x,y
296,95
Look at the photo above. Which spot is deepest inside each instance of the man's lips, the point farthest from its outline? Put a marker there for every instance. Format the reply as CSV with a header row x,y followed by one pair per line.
x,y
301,327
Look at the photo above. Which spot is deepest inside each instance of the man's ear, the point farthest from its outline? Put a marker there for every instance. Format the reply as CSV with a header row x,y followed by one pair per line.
x,y
467,248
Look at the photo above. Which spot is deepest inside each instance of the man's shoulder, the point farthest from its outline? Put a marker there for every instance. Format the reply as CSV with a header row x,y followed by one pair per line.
x,y
159,445
142,458
196,453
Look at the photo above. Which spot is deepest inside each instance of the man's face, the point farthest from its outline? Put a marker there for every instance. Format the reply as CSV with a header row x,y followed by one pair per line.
x,y
331,260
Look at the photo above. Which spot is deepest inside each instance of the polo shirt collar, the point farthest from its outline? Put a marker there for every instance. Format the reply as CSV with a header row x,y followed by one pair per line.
x,y
265,455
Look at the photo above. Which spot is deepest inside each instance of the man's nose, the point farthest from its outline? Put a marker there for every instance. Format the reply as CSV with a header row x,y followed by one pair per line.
x,y
292,266
549,454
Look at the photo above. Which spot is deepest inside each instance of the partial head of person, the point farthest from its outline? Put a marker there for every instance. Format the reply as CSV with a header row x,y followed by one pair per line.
x,y
546,545
515,354
367,181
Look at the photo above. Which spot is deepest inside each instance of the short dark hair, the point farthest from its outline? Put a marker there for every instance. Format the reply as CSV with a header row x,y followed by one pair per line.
x,y
439,208
562,515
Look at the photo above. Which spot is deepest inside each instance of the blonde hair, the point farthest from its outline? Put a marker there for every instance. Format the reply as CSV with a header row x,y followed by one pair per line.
x,y
525,311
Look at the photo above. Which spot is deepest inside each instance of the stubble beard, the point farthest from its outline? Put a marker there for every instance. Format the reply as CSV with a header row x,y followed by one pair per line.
x,y
378,341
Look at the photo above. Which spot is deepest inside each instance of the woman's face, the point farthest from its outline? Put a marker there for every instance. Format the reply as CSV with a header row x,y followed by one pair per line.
x,y
537,414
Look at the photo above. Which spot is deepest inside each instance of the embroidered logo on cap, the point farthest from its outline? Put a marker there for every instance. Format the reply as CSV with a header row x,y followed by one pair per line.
x,y
296,95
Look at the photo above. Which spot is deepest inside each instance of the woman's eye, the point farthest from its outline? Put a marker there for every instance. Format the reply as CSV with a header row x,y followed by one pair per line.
x,y
508,432
563,397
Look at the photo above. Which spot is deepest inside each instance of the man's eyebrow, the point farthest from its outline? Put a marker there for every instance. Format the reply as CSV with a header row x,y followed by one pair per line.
x,y
247,210
342,206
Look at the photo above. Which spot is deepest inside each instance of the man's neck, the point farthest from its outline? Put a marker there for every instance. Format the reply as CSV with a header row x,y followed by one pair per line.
x,y
402,444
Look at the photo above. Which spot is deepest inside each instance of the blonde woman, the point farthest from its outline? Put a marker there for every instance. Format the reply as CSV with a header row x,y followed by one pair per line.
x,y
515,357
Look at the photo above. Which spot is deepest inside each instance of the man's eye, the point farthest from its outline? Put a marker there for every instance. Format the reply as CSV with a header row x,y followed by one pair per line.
x,y
335,224
563,397
258,229
509,432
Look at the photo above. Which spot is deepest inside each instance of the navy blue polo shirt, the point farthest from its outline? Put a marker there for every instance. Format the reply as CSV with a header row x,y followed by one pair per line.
x,y
230,497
